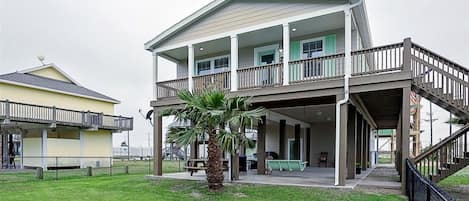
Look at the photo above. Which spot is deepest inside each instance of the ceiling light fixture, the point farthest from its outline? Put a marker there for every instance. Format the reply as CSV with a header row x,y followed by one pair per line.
x,y
201,49
293,30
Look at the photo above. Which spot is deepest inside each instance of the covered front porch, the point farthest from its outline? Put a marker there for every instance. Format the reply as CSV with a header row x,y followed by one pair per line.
x,y
302,126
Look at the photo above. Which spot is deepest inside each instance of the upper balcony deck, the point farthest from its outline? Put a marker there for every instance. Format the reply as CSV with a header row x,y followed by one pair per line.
x,y
29,113
371,61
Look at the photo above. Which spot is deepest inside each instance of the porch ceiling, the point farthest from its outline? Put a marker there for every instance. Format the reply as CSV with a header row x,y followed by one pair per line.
x,y
310,114
384,106
263,36
318,24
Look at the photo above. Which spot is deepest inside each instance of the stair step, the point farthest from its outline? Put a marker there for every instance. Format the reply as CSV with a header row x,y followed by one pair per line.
x,y
458,101
451,166
443,172
428,85
436,178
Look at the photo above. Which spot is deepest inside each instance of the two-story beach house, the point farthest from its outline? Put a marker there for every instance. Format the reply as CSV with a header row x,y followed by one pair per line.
x,y
49,120
312,64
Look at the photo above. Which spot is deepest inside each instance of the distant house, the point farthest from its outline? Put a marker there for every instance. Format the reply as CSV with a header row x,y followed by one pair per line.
x,y
45,113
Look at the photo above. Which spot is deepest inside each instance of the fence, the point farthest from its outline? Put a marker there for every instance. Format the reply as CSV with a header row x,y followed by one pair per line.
x,y
59,168
420,188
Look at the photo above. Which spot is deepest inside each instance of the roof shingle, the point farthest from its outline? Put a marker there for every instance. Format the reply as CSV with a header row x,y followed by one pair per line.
x,y
58,85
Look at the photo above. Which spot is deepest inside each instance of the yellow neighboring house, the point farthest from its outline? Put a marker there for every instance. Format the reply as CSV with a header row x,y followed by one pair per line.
x,y
49,120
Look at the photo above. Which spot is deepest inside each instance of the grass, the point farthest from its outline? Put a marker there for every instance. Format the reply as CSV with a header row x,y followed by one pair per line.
x,y
458,179
135,187
135,167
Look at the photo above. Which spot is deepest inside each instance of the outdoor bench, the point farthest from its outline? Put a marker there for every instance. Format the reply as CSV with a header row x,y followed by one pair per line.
x,y
289,165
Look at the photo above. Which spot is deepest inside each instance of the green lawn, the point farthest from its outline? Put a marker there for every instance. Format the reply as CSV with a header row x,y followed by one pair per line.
x,y
134,167
135,187
458,179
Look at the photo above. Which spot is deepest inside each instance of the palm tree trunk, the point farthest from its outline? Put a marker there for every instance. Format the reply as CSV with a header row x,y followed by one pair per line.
x,y
214,163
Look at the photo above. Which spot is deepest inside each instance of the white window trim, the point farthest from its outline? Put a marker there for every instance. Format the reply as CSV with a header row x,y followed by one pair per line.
x,y
274,47
212,63
312,40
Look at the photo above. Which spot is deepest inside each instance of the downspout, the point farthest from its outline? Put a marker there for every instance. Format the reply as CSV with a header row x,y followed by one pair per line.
x,y
347,75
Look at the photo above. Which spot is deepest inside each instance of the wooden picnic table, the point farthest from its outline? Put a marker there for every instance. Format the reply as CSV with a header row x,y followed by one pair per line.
x,y
194,165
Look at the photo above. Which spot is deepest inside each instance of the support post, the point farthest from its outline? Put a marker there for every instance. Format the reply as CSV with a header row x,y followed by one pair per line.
x,y
286,54
194,150
235,165
359,131
157,143
405,134
297,142
82,148
341,146
44,148
367,144
364,145
89,171
308,147
351,142
261,130
234,63
407,54
155,75
190,64
282,134
398,156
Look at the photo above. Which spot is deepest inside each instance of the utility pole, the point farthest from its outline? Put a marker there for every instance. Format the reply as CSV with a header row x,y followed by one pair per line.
x,y
431,120
450,123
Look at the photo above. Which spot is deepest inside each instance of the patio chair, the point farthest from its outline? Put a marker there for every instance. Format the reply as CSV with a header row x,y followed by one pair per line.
x,y
322,159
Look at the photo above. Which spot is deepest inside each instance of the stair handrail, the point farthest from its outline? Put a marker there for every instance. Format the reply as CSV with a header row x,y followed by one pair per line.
x,y
460,67
442,143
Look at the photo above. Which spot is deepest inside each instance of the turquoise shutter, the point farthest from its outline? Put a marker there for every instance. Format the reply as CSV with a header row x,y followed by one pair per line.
x,y
330,41
330,48
295,55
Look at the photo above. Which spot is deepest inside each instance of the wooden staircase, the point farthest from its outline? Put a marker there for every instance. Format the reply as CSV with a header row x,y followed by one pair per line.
x,y
445,84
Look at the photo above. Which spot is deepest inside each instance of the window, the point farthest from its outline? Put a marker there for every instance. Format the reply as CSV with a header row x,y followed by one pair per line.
x,y
221,64
203,68
212,65
310,49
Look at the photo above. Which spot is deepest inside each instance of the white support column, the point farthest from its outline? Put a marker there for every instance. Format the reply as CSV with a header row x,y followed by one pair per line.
x,y
155,75
340,149
190,64
348,43
286,54
234,63
44,148
82,148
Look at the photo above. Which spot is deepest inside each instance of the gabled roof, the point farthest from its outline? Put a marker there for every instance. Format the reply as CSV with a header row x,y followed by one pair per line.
x,y
185,22
51,65
214,5
25,79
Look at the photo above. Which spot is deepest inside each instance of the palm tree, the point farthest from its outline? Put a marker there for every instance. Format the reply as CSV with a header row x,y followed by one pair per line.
x,y
222,118
456,121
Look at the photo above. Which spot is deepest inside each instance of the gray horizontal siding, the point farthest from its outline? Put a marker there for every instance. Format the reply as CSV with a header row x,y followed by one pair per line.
x,y
244,13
